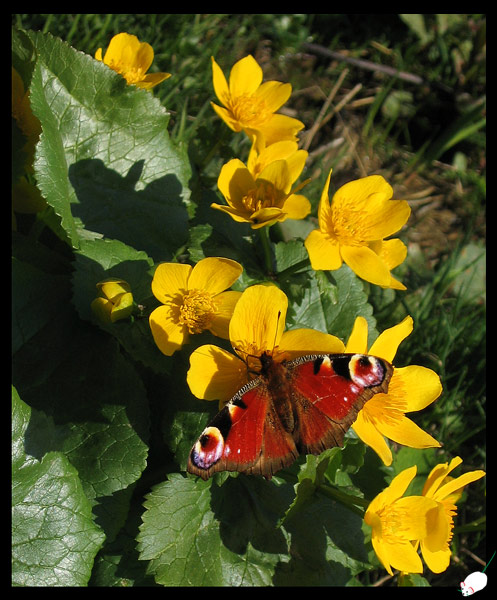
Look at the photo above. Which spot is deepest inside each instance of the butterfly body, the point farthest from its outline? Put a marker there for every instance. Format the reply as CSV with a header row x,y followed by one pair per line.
x,y
303,406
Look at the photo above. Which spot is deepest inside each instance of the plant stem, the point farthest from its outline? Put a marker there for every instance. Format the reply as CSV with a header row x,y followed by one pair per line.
x,y
266,247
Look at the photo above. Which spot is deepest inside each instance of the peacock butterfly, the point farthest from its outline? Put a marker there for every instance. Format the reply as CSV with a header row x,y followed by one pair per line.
x,y
302,406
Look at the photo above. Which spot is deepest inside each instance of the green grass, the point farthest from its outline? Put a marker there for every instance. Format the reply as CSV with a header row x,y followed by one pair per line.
x,y
427,139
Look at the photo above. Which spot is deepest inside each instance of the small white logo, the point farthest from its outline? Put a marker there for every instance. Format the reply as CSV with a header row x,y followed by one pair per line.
x,y
475,582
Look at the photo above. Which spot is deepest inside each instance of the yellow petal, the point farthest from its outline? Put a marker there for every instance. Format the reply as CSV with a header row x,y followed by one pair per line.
x,y
358,339
438,474
300,342
266,217
226,302
392,252
122,307
421,386
215,374
324,252
112,287
169,335
458,483
406,432
143,57
227,117
280,127
296,164
234,181
369,199
219,82
370,435
297,206
419,516
152,79
382,551
274,93
214,274
170,281
118,45
324,210
278,174
366,264
437,529
236,215
245,77
98,54
403,556
258,319
386,344
394,491
277,151
438,561
102,308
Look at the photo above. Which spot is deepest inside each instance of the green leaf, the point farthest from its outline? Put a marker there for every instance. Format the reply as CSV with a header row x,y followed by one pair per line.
x,y
54,539
36,300
105,161
97,260
331,301
196,533
90,404
310,477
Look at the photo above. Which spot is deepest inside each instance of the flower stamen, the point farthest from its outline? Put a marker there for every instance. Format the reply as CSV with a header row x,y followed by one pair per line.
x,y
197,310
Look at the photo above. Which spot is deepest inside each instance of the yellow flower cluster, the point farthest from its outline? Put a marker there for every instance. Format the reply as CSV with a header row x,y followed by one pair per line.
x,y
362,214
353,228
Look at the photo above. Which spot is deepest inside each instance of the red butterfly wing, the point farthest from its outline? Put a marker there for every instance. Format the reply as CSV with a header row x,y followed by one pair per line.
x,y
303,406
241,437
328,391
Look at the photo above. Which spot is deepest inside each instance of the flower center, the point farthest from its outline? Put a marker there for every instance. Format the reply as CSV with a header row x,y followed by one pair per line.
x,y
264,195
131,74
250,110
348,225
197,310
393,523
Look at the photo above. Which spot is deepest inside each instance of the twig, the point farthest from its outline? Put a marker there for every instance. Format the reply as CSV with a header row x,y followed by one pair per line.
x,y
363,64
317,123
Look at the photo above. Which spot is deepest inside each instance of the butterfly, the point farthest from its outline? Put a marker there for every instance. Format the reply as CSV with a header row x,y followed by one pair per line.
x,y
302,406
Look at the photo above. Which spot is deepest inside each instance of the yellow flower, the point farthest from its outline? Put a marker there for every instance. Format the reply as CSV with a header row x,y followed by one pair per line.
x,y
257,326
411,388
354,227
250,105
115,300
193,300
401,524
263,196
445,491
131,58
396,522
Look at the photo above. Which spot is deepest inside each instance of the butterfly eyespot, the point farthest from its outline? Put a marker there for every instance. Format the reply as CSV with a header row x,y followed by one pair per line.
x,y
366,371
208,449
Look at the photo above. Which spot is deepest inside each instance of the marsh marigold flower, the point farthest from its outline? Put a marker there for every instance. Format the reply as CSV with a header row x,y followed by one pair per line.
x,y
263,195
193,300
400,524
131,58
257,326
445,491
411,388
115,300
353,230
250,105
